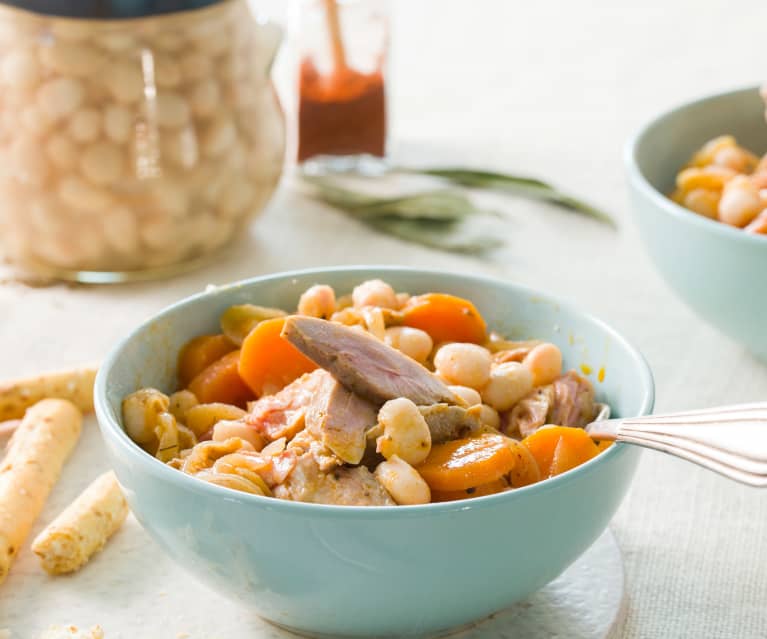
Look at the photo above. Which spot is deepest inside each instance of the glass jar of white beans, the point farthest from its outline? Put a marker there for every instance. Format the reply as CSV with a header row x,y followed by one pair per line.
x,y
134,147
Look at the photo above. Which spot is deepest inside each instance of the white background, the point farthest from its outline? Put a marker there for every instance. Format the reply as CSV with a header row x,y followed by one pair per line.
x,y
549,89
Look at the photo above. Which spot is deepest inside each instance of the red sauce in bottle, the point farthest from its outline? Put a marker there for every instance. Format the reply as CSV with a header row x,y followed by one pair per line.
x,y
341,113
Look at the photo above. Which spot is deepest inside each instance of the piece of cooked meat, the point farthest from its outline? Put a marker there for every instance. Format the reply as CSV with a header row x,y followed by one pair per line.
x,y
306,442
366,366
568,401
282,414
573,403
450,422
530,413
340,419
341,486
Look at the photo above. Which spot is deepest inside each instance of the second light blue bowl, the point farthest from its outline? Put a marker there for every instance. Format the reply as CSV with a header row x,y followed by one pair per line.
x,y
720,271
383,571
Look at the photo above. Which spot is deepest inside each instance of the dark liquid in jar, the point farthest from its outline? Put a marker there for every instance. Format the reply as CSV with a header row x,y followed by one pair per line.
x,y
342,113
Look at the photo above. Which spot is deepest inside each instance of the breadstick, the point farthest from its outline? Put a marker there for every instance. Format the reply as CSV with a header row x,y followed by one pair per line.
x,y
83,528
75,385
39,448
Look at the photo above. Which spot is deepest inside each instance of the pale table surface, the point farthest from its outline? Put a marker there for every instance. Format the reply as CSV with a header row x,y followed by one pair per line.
x,y
550,89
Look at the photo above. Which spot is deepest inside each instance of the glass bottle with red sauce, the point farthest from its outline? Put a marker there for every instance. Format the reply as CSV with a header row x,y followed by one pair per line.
x,y
342,114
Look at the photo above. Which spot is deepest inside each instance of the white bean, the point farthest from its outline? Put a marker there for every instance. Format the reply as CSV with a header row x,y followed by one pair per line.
x,y
236,198
34,120
60,97
125,82
78,195
46,217
317,301
102,163
236,160
195,66
57,250
71,59
740,202
71,30
167,73
545,363
62,152
469,395
17,242
159,232
405,431
403,482
205,98
180,147
121,230
180,402
210,36
116,42
118,123
199,229
20,69
85,125
28,161
172,110
170,41
169,198
218,137
243,95
509,382
96,93
221,233
90,245
374,293
463,364
265,162
489,416
413,342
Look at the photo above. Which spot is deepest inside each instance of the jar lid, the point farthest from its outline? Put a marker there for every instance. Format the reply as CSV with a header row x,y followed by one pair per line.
x,y
107,9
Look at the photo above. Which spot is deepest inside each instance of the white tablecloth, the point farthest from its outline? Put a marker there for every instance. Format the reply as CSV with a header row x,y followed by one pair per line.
x,y
550,89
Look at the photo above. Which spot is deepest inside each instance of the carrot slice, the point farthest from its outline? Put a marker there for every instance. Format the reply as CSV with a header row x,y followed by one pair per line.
x,y
268,362
497,486
445,318
604,445
525,471
559,448
220,382
199,353
465,463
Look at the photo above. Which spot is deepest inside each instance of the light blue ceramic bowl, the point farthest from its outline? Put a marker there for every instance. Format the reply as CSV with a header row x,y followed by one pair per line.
x,y
384,571
720,271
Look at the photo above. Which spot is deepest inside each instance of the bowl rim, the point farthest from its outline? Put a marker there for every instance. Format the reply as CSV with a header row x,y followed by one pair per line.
x,y
112,431
660,200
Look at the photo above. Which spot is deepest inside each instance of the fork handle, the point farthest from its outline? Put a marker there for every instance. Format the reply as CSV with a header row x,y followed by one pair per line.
x,y
730,440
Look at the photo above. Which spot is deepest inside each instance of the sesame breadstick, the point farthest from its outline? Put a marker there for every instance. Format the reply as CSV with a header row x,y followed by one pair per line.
x,y
31,467
83,528
75,385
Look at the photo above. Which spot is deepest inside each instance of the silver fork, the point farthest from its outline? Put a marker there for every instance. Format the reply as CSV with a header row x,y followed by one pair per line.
x,y
730,440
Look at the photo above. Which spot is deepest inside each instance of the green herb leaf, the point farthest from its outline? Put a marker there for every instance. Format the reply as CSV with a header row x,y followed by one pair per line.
x,y
437,204
523,186
431,218
451,236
